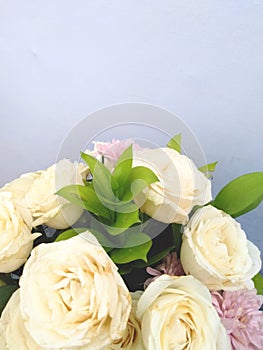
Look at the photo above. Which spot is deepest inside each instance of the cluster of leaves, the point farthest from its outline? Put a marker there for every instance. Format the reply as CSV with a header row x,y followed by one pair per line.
x,y
114,219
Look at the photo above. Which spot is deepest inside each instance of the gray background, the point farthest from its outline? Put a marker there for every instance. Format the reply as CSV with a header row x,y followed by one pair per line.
x,y
202,60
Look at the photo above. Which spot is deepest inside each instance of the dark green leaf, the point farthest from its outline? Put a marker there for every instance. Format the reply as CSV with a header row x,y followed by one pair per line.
x,y
241,195
258,282
5,294
175,143
177,237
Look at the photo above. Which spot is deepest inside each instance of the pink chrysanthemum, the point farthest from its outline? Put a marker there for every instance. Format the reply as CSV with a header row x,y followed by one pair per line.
x,y
113,150
171,266
240,314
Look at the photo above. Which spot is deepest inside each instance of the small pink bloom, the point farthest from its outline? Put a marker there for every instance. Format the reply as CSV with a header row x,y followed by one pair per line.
x,y
240,314
113,150
171,266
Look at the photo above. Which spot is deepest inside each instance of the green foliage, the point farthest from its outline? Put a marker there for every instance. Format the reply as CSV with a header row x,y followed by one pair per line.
x,y
175,143
241,195
109,197
258,282
208,169
136,247
5,294
69,234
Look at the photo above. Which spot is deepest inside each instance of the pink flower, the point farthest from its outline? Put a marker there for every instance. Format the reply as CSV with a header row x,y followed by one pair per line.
x,y
171,266
240,314
112,151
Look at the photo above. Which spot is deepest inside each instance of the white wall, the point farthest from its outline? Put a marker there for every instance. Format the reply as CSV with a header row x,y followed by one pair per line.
x,y
61,60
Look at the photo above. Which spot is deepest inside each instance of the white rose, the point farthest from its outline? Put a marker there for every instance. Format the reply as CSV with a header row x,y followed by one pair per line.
x,y
132,337
15,232
72,295
177,313
12,329
216,251
20,186
13,333
48,208
181,185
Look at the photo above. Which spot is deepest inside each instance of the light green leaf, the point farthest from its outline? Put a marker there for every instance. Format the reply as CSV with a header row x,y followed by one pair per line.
x,y
85,197
102,178
127,219
70,233
175,143
208,168
139,178
137,247
258,282
5,294
241,195
123,165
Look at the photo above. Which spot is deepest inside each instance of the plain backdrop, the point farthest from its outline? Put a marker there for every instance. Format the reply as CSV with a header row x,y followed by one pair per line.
x,y
201,60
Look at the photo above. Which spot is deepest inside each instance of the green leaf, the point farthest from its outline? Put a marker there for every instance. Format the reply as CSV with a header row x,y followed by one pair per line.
x,y
139,178
241,195
125,220
70,233
137,247
123,165
177,238
258,282
208,168
5,294
2,283
85,197
175,143
102,178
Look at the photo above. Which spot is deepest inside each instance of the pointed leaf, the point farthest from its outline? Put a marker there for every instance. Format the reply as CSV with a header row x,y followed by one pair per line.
x,y
175,143
208,168
241,195
124,163
258,282
137,247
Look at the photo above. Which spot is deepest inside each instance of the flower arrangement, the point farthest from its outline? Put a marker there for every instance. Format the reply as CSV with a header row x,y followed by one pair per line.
x,y
128,250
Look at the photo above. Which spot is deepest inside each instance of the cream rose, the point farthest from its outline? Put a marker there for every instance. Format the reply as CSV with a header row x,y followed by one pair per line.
x,y
177,313
132,337
216,251
48,208
12,329
16,240
72,295
181,185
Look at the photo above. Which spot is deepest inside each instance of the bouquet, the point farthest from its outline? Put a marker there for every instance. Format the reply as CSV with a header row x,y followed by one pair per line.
x,y
128,250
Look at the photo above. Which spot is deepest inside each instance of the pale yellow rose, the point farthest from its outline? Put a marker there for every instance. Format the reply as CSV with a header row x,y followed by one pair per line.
x,y
12,329
48,208
177,313
13,333
216,251
16,240
72,295
132,337
20,186
181,185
